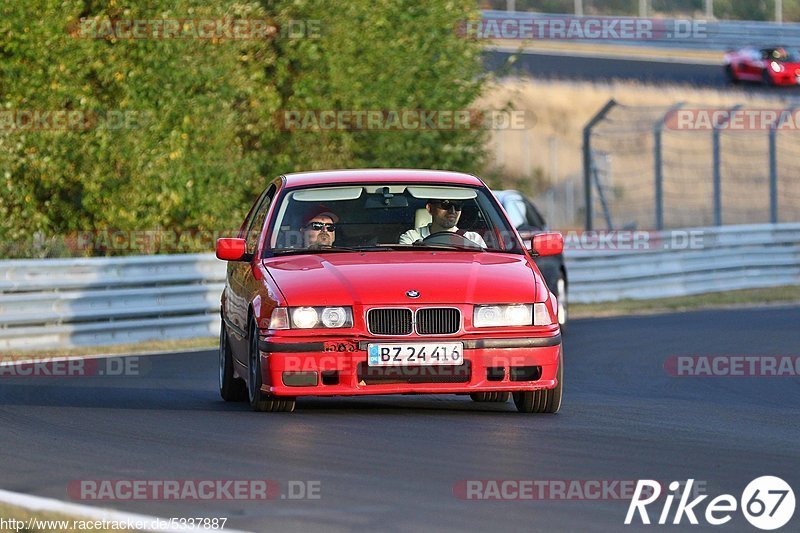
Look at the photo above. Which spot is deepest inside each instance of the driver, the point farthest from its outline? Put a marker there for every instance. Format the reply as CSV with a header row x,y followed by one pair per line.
x,y
319,230
444,217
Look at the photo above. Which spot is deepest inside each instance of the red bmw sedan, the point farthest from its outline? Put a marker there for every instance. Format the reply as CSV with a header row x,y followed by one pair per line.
x,y
359,282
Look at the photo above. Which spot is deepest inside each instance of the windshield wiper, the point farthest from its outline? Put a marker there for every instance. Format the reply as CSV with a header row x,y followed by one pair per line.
x,y
450,247
295,251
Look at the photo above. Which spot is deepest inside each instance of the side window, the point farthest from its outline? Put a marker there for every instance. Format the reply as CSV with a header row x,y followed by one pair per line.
x,y
257,223
535,219
516,212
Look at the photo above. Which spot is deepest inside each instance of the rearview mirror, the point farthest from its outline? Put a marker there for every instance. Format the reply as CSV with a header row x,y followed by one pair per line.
x,y
550,243
231,249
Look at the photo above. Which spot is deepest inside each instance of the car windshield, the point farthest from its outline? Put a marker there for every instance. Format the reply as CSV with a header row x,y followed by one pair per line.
x,y
383,217
782,55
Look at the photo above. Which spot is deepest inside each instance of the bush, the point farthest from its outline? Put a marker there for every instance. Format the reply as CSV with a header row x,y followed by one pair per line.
x,y
181,133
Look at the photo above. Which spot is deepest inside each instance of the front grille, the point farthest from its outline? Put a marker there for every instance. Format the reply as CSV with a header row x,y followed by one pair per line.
x,y
385,375
389,321
438,321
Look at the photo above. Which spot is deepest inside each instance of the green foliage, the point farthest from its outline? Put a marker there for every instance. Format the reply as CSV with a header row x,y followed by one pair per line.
x,y
201,139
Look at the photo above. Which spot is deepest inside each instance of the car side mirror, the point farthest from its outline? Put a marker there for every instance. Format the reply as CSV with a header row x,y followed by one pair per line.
x,y
550,243
232,249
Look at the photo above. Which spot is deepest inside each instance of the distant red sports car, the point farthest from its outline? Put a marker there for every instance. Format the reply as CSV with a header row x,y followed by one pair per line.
x,y
773,66
358,282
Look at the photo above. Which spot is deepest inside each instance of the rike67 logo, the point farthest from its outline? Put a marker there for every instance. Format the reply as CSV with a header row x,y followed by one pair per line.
x,y
767,503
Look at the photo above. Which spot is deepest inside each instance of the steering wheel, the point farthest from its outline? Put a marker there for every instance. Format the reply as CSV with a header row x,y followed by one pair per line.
x,y
449,238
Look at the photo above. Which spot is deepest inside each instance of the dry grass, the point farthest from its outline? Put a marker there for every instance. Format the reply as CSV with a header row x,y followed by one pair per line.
x,y
563,108
718,300
613,50
118,349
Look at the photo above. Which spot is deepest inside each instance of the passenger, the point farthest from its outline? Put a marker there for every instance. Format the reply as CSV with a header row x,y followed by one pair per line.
x,y
444,217
319,230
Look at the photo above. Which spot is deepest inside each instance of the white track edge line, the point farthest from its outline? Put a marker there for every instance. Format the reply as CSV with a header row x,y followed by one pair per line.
x,y
38,503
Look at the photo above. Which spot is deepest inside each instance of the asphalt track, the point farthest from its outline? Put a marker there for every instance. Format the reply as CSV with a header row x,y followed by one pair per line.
x,y
599,69
390,463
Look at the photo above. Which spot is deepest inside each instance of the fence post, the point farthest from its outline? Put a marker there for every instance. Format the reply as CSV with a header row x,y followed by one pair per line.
x,y
773,167
779,11
717,169
773,174
587,159
511,5
578,8
659,165
710,9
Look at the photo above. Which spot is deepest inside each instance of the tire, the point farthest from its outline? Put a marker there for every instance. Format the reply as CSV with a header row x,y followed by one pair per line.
x,y
543,401
258,400
731,75
493,397
232,389
561,295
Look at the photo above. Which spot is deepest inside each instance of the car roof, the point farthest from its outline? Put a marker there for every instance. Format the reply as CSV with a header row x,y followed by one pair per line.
x,y
337,177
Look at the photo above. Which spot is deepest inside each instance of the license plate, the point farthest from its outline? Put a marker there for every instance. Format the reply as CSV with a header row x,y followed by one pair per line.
x,y
417,354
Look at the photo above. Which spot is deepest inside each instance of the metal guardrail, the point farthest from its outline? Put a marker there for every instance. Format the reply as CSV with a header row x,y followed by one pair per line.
x,y
71,302
99,301
706,34
728,258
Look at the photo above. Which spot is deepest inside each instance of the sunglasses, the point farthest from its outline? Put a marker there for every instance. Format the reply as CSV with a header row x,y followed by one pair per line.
x,y
317,226
448,204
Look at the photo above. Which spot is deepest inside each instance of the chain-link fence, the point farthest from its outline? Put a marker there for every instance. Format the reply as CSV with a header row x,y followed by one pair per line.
x,y
762,10
682,166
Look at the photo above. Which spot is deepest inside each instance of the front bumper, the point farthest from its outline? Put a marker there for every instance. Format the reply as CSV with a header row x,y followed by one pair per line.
x,y
338,367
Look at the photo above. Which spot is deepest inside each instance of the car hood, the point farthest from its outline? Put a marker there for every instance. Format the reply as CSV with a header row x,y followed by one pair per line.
x,y
385,277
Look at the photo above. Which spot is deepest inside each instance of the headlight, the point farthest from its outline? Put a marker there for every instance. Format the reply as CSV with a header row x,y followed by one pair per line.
x,y
486,316
777,67
321,317
334,317
304,317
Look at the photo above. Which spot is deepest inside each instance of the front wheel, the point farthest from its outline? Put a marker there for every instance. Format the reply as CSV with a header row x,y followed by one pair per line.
x,y
490,397
231,388
730,74
258,400
561,297
543,401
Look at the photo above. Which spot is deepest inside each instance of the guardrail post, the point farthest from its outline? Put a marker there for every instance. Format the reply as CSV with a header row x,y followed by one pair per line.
x,y
511,5
717,169
587,159
773,175
779,11
578,8
659,165
710,9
